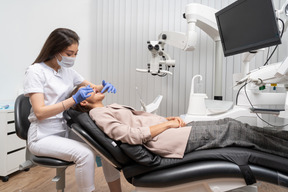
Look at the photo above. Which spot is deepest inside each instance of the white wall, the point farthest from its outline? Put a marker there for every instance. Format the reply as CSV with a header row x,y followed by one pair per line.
x,y
25,25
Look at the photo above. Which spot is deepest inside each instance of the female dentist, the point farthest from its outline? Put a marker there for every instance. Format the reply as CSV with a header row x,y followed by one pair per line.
x,y
48,82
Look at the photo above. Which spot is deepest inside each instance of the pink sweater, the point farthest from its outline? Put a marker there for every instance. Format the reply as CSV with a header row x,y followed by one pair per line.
x,y
123,123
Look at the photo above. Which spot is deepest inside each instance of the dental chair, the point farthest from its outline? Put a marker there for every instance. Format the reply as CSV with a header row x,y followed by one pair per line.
x,y
214,170
22,110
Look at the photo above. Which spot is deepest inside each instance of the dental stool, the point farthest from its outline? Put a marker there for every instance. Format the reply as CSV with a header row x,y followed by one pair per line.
x,y
22,110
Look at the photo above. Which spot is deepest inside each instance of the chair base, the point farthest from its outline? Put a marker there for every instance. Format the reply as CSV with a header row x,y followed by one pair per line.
x,y
60,178
26,165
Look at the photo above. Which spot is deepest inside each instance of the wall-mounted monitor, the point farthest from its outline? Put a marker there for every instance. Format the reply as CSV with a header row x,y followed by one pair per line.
x,y
247,25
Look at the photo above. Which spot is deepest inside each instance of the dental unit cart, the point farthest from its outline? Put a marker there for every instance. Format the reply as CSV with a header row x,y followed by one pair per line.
x,y
12,149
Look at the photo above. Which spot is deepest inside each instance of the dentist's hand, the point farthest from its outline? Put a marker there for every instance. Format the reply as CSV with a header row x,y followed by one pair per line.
x,y
82,94
108,86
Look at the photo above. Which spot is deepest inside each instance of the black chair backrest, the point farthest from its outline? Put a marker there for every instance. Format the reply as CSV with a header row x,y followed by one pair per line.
x,y
22,109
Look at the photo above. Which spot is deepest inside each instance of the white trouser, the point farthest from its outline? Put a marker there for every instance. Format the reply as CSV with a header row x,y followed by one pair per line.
x,y
73,149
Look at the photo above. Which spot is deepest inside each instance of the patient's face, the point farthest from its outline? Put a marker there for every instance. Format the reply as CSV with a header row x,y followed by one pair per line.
x,y
96,96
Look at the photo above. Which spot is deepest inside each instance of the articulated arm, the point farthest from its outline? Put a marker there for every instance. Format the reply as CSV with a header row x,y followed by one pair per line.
x,y
270,74
283,14
196,15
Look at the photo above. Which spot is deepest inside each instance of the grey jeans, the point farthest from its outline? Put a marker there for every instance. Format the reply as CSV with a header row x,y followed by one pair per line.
x,y
229,132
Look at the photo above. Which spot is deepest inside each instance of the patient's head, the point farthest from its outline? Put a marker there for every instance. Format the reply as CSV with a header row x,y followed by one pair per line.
x,y
95,100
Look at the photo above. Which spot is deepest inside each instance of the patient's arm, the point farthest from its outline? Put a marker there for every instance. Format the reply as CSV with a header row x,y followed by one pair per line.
x,y
173,122
119,131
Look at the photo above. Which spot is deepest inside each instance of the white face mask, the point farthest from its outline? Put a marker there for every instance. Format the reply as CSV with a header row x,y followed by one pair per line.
x,y
66,61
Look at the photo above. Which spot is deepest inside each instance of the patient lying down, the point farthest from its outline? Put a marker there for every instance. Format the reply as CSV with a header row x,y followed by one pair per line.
x,y
170,137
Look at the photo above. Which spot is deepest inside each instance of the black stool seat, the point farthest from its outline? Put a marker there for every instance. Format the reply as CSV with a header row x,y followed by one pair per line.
x,y
50,162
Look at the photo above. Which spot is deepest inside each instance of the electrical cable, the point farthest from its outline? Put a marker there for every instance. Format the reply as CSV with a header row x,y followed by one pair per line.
x,y
268,53
276,45
239,92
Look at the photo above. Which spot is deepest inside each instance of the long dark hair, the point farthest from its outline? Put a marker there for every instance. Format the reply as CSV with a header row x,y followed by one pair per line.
x,y
57,42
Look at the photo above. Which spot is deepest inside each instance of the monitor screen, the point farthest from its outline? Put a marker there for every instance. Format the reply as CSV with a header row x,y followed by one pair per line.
x,y
247,25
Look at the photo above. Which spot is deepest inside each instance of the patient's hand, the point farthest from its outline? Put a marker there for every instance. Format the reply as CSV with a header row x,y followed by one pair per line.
x,y
172,122
177,121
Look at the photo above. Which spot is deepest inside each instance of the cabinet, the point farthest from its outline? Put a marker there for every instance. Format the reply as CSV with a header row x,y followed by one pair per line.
x,y
12,148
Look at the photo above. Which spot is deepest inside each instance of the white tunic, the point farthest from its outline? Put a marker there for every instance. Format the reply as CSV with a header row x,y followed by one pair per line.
x,y
56,87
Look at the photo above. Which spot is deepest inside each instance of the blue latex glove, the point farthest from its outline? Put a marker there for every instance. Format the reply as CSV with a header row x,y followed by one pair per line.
x,y
82,94
108,86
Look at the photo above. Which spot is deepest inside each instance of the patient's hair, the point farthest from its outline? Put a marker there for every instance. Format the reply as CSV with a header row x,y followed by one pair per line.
x,y
78,107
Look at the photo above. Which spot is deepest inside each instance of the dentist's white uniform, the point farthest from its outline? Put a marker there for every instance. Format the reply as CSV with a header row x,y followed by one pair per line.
x,y
51,137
